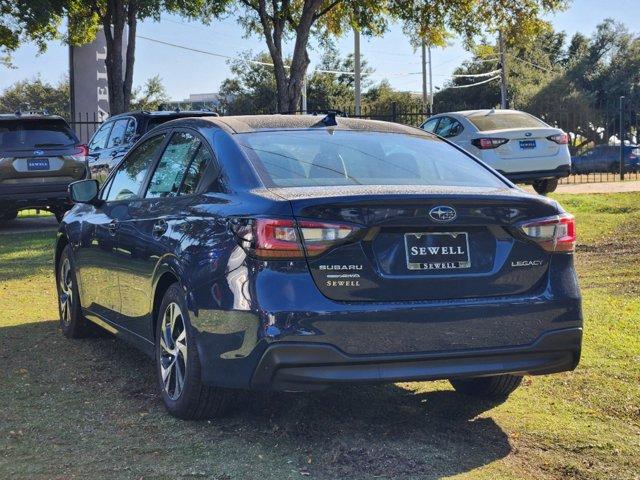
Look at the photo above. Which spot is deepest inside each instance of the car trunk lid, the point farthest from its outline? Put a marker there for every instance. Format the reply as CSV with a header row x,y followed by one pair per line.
x,y
424,243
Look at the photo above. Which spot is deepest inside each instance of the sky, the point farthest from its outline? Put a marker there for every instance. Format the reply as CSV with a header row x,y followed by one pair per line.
x,y
184,72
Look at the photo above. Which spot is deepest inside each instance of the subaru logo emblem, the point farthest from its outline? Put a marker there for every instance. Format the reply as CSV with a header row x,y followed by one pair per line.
x,y
443,213
528,134
38,152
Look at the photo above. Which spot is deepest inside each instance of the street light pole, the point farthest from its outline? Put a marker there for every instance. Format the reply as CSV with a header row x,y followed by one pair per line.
x,y
430,81
356,62
504,103
425,97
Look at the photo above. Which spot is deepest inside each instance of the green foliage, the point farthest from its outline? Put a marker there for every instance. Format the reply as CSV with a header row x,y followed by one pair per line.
x,y
38,95
252,86
150,96
28,20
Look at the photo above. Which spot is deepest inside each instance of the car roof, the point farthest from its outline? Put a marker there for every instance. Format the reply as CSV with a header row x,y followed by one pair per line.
x,y
256,123
29,116
482,112
165,113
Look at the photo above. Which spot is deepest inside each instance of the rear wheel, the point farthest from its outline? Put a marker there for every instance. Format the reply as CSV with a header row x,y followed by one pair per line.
x,y
72,323
178,365
545,186
499,386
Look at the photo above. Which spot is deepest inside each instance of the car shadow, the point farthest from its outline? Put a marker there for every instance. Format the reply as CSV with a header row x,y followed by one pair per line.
x,y
395,431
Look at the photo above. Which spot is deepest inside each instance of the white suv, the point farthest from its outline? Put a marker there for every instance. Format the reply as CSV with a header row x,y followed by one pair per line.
x,y
520,146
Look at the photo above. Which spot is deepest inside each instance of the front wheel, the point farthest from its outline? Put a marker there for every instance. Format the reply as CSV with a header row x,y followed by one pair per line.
x,y
178,364
72,322
499,386
545,186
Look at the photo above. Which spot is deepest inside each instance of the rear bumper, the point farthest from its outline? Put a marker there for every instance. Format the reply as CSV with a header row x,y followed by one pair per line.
x,y
40,195
310,367
560,172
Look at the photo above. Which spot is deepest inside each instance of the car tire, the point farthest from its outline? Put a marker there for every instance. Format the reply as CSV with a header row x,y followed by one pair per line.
x,y
8,216
543,187
180,382
72,322
499,386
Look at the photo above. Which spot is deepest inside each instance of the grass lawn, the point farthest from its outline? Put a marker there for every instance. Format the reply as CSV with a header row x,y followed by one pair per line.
x,y
88,409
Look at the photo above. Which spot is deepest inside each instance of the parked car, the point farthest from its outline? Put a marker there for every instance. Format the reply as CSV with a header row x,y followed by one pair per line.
x,y
520,146
606,158
296,252
39,157
116,135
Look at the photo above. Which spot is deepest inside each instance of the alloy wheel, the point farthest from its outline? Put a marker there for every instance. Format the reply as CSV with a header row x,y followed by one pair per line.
x,y
66,292
173,351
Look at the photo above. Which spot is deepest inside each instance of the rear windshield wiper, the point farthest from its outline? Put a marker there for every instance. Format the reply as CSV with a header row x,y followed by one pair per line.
x,y
52,145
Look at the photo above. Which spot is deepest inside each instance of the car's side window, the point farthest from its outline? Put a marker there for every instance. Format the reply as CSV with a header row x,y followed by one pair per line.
x,y
127,180
449,127
130,131
99,140
171,170
430,125
118,133
196,171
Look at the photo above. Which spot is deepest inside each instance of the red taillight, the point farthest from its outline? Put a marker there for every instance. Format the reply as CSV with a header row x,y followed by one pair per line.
x,y
560,138
278,238
81,152
554,234
488,143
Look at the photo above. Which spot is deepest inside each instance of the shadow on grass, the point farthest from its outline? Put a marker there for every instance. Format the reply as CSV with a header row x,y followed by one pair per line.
x,y
346,432
21,255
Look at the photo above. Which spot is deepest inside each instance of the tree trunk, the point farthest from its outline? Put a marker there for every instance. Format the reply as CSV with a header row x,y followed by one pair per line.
x,y
289,86
132,21
119,80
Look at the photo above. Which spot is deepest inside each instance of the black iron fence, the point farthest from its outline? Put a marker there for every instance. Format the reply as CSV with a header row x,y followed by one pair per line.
x,y
85,125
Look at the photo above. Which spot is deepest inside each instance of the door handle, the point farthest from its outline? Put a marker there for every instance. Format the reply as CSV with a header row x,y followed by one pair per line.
x,y
113,227
160,228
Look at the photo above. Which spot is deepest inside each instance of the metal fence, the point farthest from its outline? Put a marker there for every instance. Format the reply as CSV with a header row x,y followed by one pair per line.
x,y
85,125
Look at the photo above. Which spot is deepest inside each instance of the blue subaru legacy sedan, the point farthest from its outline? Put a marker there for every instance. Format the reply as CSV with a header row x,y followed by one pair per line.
x,y
297,252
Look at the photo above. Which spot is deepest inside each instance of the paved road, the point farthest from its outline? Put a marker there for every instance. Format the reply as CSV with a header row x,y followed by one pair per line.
x,y
29,225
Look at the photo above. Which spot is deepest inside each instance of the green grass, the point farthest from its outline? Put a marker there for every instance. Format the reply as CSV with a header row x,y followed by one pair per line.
x,y
88,408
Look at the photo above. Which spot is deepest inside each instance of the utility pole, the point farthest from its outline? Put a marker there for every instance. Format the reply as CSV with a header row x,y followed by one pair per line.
x,y
356,64
304,94
504,103
425,97
430,81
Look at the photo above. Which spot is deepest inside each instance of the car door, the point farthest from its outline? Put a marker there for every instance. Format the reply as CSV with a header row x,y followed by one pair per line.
x,y
97,256
98,159
118,144
156,224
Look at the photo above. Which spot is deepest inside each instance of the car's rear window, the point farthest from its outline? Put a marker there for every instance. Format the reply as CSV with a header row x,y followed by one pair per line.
x,y
29,134
327,158
500,121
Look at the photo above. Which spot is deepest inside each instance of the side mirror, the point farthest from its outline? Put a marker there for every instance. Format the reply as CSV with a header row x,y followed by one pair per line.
x,y
84,191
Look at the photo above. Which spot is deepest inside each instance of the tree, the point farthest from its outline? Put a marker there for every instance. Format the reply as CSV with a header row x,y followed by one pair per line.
x,y
115,17
280,20
36,94
150,96
28,20
252,87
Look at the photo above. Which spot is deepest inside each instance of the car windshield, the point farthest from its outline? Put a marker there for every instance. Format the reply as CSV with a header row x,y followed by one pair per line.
x,y
29,134
501,121
334,157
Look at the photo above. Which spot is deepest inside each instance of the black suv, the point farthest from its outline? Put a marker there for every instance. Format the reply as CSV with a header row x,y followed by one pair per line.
x,y
39,157
117,135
